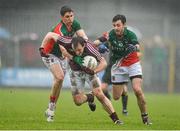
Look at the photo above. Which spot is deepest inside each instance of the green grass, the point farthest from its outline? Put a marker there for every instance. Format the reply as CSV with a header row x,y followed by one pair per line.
x,y
24,109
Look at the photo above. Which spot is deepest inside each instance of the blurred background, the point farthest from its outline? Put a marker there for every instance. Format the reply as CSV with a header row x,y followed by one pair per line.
x,y
24,23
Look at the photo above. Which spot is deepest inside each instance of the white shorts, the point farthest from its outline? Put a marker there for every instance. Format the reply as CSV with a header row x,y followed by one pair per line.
x,y
121,74
78,80
52,59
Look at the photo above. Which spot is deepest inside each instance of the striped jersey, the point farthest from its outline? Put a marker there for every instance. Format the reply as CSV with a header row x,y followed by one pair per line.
x,y
89,50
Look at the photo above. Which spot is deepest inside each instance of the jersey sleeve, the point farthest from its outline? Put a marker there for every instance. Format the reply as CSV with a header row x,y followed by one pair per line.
x,y
133,38
62,40
94,51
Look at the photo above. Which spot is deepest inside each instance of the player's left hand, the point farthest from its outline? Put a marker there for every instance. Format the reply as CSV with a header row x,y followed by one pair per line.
x,y
102,48
78,60
87,70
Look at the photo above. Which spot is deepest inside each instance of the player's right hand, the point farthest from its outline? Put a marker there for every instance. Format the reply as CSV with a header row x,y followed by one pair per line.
x,y
78,60
43,53
129,48
106,35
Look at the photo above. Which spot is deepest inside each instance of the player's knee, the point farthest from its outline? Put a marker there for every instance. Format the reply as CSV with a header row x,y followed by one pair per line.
x,y
77,100
140,96
77,103
116,97
138,92
59,78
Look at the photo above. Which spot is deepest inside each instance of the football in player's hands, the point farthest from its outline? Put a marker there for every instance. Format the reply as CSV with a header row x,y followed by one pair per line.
x,y
90,62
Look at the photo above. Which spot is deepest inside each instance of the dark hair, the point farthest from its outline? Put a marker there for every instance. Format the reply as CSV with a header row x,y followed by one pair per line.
x,y
77,40
119,17
65,9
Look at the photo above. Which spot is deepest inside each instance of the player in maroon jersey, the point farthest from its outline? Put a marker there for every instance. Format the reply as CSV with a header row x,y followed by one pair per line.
x,y
77,47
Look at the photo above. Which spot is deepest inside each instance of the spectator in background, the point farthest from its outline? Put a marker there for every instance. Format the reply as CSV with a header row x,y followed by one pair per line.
x,y
159,62
53,58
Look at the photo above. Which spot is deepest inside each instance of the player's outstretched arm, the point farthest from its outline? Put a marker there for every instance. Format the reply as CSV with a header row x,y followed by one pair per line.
x,y
102,39
49,36
47,39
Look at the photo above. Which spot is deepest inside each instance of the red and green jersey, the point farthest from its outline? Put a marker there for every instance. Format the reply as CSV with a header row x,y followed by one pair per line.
x,y
62,30
117,46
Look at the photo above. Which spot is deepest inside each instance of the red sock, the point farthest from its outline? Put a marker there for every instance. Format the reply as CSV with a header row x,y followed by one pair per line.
x,y
52,99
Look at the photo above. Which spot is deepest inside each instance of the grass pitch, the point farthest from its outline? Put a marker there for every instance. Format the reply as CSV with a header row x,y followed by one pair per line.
x,y
24,109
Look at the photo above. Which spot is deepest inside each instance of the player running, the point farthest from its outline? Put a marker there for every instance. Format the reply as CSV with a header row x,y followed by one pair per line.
x,y
75,50
53,58
106,79
124,46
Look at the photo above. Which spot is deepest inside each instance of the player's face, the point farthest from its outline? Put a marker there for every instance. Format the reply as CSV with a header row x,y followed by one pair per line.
x,y
118,27
79,50
68,18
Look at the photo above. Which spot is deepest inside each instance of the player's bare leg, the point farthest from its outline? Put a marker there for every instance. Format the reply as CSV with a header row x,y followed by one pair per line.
x,y
80,98
124,101
137,83
58,75
106,103
117,91
104,87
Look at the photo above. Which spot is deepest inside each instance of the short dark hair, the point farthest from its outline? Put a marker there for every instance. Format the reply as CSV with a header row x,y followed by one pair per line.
x,y
77,40
119,17
65,9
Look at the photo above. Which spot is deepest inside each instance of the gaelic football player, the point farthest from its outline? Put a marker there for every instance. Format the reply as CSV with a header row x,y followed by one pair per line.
x,y
124,45
53,58
79,48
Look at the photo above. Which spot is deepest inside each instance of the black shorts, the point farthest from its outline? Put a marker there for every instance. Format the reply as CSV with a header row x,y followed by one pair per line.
x,y
106,78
